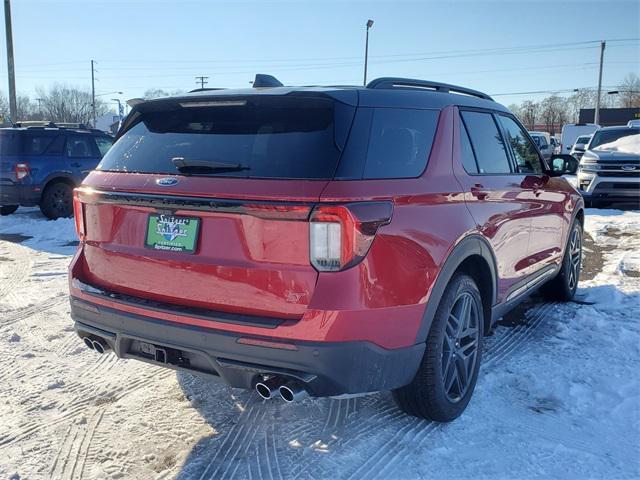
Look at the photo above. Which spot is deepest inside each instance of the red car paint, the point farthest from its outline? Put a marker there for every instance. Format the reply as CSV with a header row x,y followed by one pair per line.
x,y
260,266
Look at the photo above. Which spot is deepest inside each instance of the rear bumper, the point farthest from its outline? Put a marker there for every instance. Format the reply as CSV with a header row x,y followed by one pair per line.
x,y
326,368
25,195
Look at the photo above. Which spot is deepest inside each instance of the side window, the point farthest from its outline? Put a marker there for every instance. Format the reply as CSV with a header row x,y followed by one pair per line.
x,y
466,151
523,149
399,142
36,144
488,145
104,144
79,147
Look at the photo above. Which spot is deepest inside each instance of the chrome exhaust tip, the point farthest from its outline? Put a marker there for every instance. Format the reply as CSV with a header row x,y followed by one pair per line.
x,y
100,345
88,342
268,388
292,392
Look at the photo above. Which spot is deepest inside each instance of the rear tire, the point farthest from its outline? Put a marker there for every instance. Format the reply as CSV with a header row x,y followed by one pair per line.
x,y
447,376
563,287
8,209
57,201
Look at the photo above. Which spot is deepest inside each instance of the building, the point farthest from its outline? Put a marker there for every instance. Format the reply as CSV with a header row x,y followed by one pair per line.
x,y
610,116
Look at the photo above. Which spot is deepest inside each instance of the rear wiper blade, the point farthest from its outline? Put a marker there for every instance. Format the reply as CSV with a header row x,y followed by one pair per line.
x,y
206,166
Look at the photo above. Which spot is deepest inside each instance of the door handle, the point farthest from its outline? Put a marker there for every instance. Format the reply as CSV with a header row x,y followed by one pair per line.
x,y
75,165
478,192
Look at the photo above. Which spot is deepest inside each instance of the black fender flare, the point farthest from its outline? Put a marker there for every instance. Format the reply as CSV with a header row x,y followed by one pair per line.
x,y
471,245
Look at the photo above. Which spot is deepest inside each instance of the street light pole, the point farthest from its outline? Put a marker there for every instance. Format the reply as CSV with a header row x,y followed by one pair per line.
x,y
13,105
596,118
366,51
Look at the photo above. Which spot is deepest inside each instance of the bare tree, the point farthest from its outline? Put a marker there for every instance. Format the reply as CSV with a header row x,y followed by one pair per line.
x,y
63,103
629,91
553,113
529,113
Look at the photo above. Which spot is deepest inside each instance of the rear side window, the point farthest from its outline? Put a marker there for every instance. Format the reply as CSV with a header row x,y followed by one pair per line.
x,y
399,142
79,147
524,151
36,144
104,144
488,145
466,151
297,137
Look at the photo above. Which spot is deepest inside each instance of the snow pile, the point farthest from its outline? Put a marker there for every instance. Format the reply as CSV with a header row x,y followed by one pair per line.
x,y
29,222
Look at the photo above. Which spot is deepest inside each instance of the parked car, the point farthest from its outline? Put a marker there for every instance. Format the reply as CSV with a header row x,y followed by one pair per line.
x,y
543,141
321,241
610,168
571,132
580,146
41,165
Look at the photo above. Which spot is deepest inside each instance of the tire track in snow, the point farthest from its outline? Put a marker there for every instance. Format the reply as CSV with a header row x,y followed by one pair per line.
x,y
12,273
74,449
12,316
79,406
238,440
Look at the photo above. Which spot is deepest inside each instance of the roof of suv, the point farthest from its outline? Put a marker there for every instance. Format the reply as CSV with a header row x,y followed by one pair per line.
x,y
382,92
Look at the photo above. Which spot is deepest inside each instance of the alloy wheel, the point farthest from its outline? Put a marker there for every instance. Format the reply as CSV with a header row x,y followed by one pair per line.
x,y
460,347
575,257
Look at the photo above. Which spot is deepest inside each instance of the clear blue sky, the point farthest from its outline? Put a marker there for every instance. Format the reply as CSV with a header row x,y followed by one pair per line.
x,y
165,44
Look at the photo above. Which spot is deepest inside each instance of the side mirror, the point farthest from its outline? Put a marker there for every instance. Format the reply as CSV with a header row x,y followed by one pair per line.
x,y
563,165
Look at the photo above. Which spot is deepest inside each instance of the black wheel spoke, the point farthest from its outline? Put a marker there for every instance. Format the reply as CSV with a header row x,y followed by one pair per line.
x,y
460,346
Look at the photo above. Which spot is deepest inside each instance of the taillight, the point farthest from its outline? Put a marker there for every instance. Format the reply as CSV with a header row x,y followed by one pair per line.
x,y
78,214
341,235
22,170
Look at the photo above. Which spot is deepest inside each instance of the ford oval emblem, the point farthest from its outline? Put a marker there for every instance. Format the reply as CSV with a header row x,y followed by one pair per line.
x,y
629,168
167,182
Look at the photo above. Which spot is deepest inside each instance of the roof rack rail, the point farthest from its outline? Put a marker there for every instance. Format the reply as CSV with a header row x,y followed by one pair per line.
x,y
49,124
396,82
204,89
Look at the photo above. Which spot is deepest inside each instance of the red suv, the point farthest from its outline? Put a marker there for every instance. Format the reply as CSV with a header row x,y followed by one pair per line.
x,y
321,241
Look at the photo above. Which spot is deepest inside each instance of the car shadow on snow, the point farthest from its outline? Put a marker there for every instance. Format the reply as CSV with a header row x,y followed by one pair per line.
x,y
316,437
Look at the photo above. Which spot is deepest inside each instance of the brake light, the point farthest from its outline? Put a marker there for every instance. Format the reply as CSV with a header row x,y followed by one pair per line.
x,y
22,170
78,214
340,235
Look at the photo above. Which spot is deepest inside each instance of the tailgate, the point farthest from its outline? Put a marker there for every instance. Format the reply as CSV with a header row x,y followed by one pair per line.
x,y
250,255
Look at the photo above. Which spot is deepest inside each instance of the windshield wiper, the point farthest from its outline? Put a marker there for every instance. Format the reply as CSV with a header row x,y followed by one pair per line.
x,y
206,166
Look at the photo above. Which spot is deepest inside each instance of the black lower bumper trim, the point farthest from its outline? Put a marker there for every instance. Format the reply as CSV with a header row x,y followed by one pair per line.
x,y
326,369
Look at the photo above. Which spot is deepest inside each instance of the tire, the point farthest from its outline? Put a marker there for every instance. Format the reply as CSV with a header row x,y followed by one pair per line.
x,y
8,209
563,287
57,200
427,396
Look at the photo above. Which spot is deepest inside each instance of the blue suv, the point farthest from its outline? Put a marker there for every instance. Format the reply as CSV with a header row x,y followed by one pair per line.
x,y
41,165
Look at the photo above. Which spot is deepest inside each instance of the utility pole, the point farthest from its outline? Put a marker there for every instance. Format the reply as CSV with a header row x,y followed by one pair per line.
x,y
366,51
93,95
202,81
596,118
13,105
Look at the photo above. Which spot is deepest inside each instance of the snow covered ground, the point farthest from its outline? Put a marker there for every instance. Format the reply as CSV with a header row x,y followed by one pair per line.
x,y
558,395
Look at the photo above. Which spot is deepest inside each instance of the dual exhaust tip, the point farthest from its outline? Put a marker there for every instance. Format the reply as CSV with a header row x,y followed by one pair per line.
x,y
289,390
97,344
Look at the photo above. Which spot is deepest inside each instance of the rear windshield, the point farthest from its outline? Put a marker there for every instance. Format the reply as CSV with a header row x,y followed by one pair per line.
x,y
260,137
296,137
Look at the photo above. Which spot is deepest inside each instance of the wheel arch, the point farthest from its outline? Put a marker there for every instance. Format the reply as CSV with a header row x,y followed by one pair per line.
x,y
473,256
58,177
